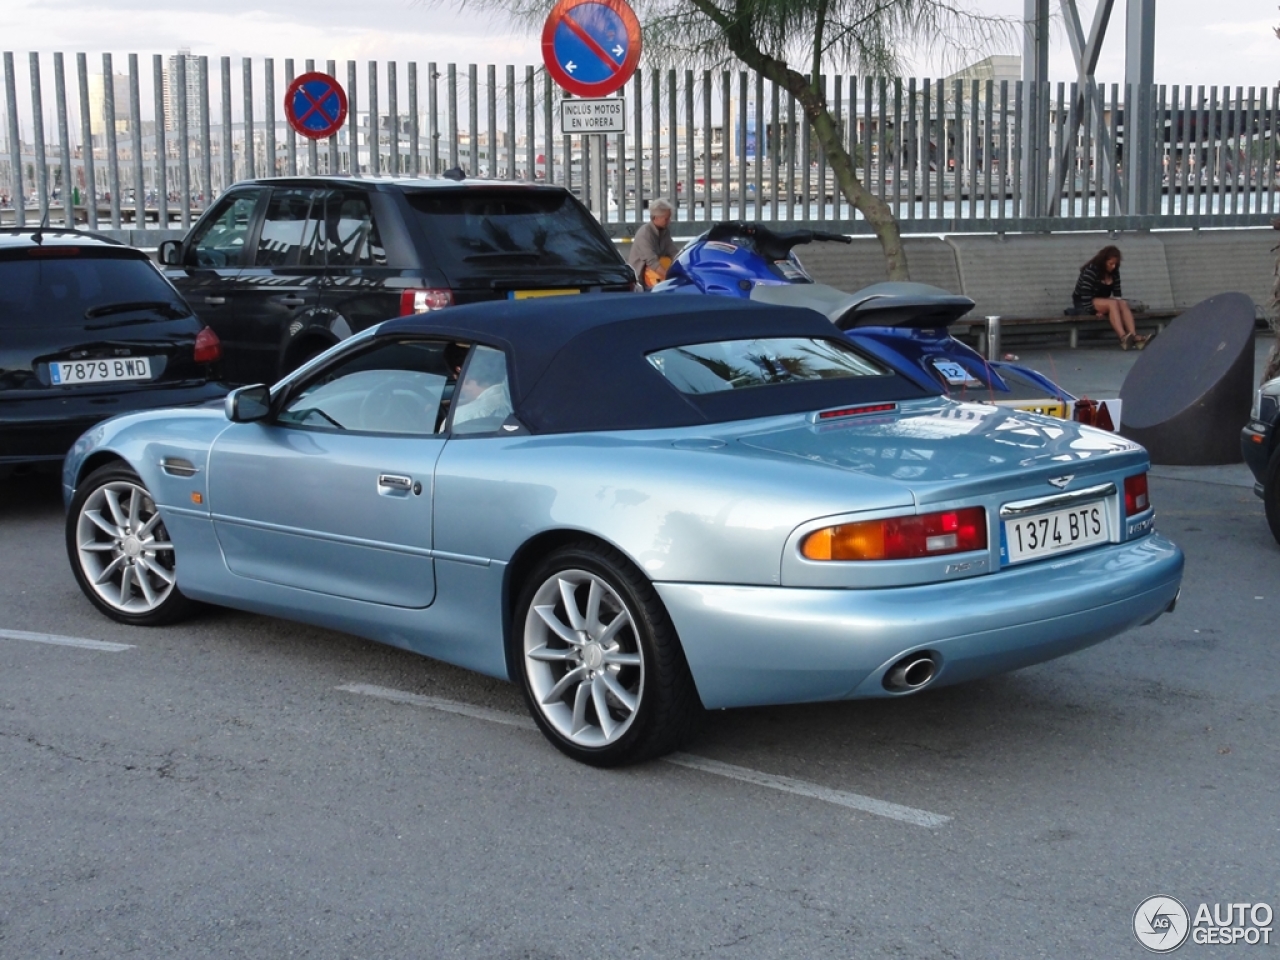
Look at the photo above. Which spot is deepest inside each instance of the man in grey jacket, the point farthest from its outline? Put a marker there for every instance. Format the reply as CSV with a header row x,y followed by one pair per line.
x,y
653,249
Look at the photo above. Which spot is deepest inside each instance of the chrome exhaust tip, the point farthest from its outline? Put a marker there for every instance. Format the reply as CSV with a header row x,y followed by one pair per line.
x,y
911,673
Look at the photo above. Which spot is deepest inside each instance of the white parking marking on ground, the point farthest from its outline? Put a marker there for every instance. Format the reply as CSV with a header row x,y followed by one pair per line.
x,y
802,788
435,703
103,645
841,798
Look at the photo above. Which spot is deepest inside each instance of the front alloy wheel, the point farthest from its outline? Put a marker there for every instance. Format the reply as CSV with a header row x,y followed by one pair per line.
x,y
603,671
120,551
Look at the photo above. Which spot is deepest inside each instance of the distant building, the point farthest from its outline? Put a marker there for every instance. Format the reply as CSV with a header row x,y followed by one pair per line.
x,y
172,93
119,87
996,68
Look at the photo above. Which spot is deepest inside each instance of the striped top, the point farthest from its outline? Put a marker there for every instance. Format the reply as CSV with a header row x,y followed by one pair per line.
x,y
1091,285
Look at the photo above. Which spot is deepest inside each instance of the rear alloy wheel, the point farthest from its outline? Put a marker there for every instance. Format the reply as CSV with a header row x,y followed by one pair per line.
x,y
1271,494
602,668
120,551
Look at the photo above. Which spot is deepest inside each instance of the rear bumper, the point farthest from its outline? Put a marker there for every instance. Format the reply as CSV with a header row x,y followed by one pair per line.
x,y
750,646
44,429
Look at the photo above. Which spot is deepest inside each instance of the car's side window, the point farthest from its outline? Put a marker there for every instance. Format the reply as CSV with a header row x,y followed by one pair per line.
x,y
393,388
288,232
219,242
349,234
482,400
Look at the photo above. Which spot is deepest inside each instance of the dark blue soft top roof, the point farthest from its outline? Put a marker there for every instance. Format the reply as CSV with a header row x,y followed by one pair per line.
x,y
580,362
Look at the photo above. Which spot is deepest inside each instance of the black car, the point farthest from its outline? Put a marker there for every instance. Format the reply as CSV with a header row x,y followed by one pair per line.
x,y
89,328
284,268
1260,443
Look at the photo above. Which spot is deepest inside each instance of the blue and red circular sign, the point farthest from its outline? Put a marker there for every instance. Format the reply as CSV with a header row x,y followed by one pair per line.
x,y
591,47
315,105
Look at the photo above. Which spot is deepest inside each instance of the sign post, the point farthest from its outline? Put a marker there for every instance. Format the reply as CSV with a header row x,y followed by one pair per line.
x,y
591,49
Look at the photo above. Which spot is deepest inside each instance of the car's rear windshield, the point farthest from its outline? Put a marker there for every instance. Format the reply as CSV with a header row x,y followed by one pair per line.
x,y
487,230
742,364
71,291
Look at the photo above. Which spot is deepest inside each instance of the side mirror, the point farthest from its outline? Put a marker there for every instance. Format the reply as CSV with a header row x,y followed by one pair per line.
x,y
248,404
170,253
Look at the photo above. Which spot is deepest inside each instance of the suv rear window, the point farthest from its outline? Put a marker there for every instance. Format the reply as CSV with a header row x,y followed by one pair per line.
x,y
61,291
496,230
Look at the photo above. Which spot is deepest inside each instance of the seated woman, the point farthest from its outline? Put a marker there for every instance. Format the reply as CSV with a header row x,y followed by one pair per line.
x,y
1098,288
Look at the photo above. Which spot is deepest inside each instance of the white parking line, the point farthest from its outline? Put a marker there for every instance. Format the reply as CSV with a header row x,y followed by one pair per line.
x,y
841,798
802,788
103,645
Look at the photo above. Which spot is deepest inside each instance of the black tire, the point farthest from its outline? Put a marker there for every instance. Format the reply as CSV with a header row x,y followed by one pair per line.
x,y
1271,494
120,551
629,659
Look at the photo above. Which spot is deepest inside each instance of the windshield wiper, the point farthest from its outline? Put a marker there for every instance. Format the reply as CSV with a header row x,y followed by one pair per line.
x,y
167,307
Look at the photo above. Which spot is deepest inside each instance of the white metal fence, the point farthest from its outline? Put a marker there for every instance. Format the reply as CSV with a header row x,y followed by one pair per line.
x,y
117,142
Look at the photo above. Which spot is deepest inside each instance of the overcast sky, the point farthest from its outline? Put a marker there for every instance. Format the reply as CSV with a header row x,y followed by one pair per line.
x,y
1207,42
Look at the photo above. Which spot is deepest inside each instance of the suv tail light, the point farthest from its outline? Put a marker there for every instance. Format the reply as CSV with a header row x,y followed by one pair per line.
x,y
1135,495
208,346
421,301
900,538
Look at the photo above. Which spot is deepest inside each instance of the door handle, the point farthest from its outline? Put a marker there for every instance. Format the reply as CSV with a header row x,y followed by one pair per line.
x,y
293,301
215,301
394,481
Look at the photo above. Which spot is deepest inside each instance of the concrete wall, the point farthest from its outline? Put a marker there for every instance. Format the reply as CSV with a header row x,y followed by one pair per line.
x,y
1032,275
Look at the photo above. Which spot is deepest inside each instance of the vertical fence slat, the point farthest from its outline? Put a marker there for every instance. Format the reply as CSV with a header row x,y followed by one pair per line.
x,y
228,153
66,175
37,124
250,140
511,121
655,137
1251,181
549,127
791,154
775,146
740,144
1015,160
393,118
530,145
985,151
135,128
433,117
19,198
269,116
375,122
491,109
184,144
690,175
160,141
1003,154
927,134
673,171
897,147
972,144
86,142
637,94
726,121
912,141
451,95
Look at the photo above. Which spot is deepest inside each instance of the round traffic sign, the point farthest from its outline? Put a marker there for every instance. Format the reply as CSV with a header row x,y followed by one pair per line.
x,y
591,47
315,105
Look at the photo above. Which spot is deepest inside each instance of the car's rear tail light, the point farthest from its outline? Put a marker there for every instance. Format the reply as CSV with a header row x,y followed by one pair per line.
x,y
208,346
1135,495
421,301
901,538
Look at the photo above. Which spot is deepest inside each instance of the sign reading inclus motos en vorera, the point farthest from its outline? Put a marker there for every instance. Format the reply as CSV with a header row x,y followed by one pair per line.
x,y
593,116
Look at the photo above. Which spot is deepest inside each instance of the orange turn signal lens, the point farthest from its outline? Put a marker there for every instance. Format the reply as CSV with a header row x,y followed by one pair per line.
x,y
900,538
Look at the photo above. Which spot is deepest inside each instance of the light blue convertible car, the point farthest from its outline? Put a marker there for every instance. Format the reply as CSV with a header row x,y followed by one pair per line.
x,y
636,507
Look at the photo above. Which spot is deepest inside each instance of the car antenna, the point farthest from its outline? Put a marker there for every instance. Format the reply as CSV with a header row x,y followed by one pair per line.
x,y
37,237
455,173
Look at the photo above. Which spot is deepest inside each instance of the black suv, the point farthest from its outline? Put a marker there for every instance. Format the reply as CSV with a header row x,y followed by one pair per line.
x,y
284,268
89,328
